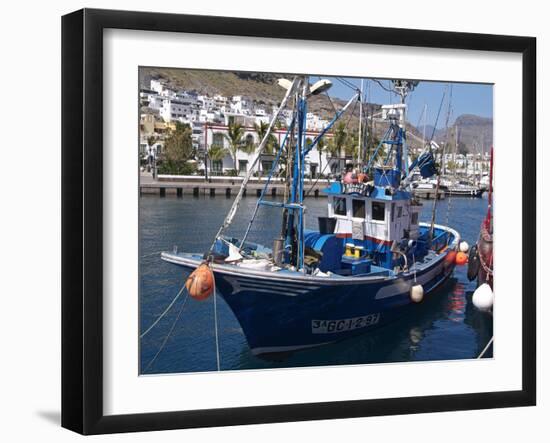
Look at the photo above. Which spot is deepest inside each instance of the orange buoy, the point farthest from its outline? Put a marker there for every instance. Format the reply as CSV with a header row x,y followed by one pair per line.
x,y
461,258
200,283
450,259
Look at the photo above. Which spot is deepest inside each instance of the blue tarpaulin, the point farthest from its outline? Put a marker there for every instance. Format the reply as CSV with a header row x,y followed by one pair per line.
x,y
426,165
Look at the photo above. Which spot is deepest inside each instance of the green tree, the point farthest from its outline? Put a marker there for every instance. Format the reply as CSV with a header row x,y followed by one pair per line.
x,y
178,150
452,166
151,140
249,145
261,130
216,153
321,146
340,138
234,136
351,145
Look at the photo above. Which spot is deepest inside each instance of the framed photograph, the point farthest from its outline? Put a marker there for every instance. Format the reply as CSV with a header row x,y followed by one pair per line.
x,y
270,221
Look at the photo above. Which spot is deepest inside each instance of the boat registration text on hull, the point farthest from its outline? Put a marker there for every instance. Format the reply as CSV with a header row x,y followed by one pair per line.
x,y
346,324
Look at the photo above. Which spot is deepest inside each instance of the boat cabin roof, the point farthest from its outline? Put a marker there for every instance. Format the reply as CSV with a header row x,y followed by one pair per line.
x,y
364,190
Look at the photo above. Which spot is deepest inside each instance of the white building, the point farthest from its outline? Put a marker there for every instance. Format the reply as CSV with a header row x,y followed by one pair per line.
x,y
155,101
240,105
220,101
157,85
147,97
315,123
215,135
183,109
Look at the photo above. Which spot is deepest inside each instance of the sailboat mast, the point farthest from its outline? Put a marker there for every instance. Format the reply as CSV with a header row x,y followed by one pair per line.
x,y
424,127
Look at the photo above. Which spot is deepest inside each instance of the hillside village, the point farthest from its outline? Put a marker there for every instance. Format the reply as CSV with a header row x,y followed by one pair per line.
x,y
225,130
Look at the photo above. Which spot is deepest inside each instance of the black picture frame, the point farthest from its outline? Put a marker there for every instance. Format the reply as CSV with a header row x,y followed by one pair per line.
x,y
82,218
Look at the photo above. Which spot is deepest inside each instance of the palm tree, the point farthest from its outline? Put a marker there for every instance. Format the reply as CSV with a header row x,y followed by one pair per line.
x,y
248,144
234,136
151,140
351,145
320,149
261,130
216,153
337,144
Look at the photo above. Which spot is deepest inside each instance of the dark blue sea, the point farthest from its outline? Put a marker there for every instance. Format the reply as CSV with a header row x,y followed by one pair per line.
x,y
445,326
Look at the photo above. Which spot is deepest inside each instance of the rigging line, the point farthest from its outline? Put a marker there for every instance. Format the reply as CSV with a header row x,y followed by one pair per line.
x,y
434,207
385,88
350,84
165,312
331,102
167,336
234,207
216,328
485,348
267,183
347,83
438,113
351,114
327,163
329,99
317,179
420,116
343,81
152,253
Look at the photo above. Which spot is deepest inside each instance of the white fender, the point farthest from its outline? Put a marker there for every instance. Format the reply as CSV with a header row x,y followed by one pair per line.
x,y
483,297
417,293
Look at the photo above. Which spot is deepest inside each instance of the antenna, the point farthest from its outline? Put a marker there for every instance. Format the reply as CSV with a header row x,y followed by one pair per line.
x,y
359,138
403,87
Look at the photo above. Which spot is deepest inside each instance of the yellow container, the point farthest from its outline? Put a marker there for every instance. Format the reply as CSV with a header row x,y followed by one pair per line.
x,y
349,250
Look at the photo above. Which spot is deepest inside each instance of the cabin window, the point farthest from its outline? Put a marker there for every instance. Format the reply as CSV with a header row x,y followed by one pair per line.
x,y
392,212
399,211
378,211
414,218
339,205
358,208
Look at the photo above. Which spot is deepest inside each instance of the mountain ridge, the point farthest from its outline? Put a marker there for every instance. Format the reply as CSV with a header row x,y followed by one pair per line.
x,y
473,131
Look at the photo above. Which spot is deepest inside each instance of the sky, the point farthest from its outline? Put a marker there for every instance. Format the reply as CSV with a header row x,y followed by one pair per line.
x,y
467,98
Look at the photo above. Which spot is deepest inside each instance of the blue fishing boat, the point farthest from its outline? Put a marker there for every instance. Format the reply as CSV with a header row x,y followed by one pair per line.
x,y
371,260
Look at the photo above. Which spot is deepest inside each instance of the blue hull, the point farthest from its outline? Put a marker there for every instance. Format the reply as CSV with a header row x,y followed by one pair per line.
x,y
282,317
280,313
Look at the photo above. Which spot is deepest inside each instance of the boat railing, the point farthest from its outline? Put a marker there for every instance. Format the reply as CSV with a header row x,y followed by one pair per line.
x,y
441,240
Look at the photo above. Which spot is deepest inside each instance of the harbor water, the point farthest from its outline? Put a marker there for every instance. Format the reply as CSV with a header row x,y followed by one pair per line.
x,y
445,326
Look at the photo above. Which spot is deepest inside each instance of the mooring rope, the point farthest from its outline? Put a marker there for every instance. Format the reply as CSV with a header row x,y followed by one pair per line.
x,y
216,329
484,265
165,312
485,348
167,335
152,253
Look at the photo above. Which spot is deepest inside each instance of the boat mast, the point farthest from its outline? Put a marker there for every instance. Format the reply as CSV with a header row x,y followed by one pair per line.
x,y
403,87
294,223
424,127
438,182
294,206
